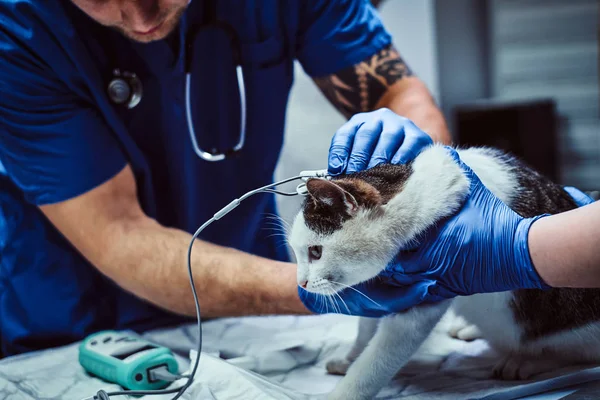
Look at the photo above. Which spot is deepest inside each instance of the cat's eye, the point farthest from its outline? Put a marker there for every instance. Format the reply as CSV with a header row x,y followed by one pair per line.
x,y
314,253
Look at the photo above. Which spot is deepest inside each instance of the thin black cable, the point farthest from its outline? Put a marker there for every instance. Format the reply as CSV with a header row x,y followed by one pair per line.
x,y
281,193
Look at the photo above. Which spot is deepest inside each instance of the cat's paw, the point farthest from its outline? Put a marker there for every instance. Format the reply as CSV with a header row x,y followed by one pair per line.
x,y
338,366
469,333
515,367
466,332
461,329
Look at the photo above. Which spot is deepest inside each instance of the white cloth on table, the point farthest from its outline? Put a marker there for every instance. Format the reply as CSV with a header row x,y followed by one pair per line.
x,y
286,357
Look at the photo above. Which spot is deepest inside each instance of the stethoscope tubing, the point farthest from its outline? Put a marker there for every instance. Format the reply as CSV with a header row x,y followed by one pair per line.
x,y
205,155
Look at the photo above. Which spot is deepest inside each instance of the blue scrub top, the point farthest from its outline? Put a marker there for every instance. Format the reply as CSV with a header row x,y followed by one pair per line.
x,y
61,136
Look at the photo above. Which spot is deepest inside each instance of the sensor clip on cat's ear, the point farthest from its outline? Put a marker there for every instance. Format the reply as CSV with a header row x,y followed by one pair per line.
x,y
320,173
306,175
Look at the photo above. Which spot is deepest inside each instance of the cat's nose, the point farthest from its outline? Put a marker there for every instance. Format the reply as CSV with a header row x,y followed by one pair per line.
x,y
304,283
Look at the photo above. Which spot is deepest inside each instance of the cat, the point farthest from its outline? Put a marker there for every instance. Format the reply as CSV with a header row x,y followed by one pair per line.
x,y
350,227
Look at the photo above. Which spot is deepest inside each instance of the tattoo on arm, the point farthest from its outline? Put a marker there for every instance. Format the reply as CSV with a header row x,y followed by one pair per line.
x,y
359,88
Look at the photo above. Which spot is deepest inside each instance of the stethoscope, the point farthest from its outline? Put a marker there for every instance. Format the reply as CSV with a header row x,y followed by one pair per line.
x,y
126,89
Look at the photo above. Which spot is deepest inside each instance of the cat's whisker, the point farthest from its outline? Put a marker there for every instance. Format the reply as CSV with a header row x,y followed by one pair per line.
x,y
322,302
318,303
333,301
325,298
333,292
338,305
277,219
275,227
280,245
285,224
357,291
279,222
329,298
283,235
343,302
278,234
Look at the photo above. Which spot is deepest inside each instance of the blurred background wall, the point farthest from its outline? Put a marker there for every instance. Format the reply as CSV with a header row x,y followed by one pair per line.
x,y
517,74
514,53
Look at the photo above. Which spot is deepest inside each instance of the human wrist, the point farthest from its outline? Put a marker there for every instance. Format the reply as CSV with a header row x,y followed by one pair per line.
x,y
288,292
411,99
309,301
526,276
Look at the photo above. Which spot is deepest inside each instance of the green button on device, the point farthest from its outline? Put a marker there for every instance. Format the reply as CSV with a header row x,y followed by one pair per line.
x,y
126,360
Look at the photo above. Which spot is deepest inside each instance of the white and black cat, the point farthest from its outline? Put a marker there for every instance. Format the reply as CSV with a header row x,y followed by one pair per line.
x,y
350,228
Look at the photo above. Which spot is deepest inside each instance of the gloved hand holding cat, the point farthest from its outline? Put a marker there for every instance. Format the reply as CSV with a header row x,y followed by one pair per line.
x,y
481,248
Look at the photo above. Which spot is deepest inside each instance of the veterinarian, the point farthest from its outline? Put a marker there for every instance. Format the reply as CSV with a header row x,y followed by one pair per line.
x,y
485,247
100,181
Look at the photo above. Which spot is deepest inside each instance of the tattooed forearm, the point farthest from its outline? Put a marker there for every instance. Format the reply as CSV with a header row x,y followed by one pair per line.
x,y
360,87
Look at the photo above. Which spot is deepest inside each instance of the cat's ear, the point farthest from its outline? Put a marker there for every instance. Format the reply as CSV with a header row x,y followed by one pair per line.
x,y
327,193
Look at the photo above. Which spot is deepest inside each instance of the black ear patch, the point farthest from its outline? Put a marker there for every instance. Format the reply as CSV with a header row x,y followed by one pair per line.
x,y
330,194
327,206
330,203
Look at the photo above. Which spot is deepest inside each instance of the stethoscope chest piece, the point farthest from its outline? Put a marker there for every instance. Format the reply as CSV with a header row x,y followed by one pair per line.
x,y
125,88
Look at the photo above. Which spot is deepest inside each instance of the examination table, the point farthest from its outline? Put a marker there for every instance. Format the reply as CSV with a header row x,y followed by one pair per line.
x,y
287,356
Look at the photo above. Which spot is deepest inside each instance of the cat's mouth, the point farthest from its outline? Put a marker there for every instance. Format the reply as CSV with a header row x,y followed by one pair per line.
x,y
327,286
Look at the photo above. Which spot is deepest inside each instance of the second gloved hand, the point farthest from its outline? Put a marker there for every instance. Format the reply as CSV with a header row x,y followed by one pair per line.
x,y
373,138
481,249
580,198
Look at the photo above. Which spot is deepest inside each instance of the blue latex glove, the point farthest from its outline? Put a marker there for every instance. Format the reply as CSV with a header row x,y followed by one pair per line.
x,y
373,138
481,249
375,298
485,230
580,198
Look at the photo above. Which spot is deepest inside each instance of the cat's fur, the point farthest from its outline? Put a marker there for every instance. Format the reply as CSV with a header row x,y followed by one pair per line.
x,y
381,210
